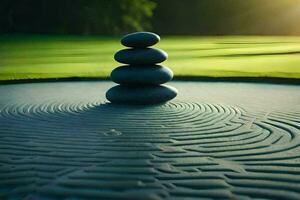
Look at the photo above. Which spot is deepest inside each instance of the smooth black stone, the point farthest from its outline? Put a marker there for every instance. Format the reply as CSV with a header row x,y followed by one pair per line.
x,y
141,56
140,39
143,95
152,74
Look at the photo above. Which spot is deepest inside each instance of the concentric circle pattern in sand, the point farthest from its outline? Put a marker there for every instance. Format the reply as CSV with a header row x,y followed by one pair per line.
x,y
74,145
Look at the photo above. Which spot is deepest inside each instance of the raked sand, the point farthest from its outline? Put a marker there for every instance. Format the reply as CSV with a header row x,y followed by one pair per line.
x,y
214,141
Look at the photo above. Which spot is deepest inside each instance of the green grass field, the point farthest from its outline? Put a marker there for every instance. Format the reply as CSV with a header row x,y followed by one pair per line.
x,y
31,57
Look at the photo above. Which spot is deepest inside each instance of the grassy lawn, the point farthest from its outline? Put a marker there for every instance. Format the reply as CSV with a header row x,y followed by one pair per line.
x,y
23,57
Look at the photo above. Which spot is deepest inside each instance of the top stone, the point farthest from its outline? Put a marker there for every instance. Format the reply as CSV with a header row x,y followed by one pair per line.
x,y
140,39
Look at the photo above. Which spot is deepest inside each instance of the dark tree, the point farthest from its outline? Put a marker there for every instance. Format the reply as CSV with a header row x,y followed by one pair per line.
x,y
75,16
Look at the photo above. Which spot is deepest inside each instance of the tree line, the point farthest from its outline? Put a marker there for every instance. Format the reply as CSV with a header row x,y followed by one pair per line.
x,y
173,17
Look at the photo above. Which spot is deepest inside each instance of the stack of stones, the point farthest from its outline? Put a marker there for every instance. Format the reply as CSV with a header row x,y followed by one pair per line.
x,y
140,80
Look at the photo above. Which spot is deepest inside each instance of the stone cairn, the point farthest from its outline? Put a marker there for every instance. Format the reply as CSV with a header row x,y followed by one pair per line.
x,y
140,80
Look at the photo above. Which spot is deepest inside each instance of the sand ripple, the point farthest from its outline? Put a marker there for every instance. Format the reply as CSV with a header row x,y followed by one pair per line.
x,y
90,149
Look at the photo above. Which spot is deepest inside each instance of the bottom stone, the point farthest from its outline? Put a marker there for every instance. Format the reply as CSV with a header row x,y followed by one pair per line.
x,y
141,95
